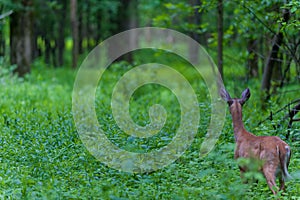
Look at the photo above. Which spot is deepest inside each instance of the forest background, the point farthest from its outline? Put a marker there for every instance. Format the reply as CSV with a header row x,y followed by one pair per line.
x,y
254,44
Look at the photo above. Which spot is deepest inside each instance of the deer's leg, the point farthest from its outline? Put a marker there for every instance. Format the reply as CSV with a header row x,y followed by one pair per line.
x,y
281,181
269,173
242,171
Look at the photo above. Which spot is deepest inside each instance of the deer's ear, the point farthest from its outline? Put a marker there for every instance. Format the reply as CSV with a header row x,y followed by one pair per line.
x,y
245,96
225,95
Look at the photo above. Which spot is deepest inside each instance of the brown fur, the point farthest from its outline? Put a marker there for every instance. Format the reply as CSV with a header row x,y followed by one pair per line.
x,y
271,150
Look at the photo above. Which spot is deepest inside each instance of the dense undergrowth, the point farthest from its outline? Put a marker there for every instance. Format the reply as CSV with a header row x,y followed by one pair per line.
x,y
42,156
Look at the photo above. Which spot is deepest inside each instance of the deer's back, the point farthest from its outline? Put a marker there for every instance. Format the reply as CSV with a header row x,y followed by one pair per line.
x,y
260,147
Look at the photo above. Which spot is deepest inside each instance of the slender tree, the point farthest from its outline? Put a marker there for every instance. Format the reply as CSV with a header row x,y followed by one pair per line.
x,y
126,19
195,18
252,59
272,60
74,26
2,38
61,33
20,37
220,36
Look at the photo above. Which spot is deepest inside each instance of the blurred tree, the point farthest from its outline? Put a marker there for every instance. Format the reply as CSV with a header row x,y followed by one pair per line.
x,y
274,59
195,19
61,32
282,51
252,58
5,14
127,18
241,20
74,26
220,37
98,19
20,36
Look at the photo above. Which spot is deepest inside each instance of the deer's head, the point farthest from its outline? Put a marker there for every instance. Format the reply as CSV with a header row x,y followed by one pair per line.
x,y
235,103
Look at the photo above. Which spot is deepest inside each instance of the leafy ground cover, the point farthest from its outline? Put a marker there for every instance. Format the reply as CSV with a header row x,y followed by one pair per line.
x,y
42,156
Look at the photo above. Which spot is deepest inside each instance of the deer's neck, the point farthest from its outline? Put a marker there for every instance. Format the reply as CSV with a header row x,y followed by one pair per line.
x,y
237,121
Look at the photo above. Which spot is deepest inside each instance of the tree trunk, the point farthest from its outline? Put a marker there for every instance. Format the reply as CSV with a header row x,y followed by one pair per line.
x,y
47,50
54,52
89,29
98,29
61,34
2,40
252,60
133,23
286,74
3,17
195,19
220,37
81,28
268,70
277,74
20,38
291,115
74,24
34,45
2,43
272,60
126,19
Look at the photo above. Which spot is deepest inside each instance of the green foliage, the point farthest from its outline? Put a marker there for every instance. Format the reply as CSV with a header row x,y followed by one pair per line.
x,y
178,16
293,25
42,157
242,20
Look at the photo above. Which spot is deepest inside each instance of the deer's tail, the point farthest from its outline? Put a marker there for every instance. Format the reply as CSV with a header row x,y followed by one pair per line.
x,y
285,155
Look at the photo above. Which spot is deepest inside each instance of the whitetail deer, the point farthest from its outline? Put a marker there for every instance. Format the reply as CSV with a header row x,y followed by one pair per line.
x,y
271,150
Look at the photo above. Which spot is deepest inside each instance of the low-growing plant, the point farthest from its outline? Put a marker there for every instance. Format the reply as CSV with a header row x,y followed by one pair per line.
x,y
42,156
